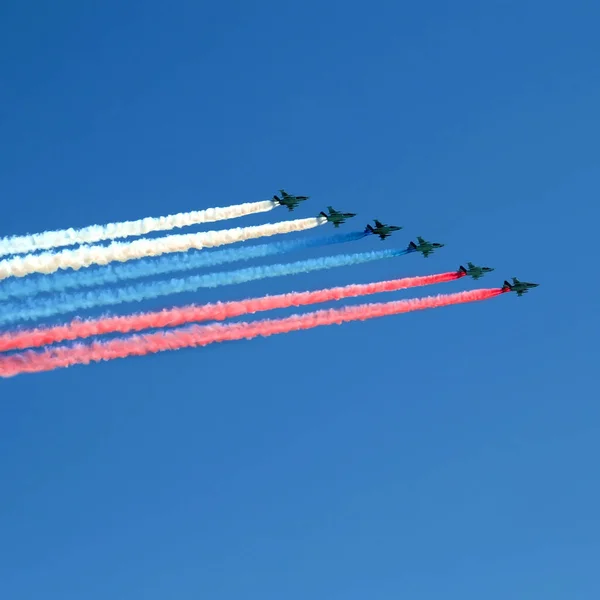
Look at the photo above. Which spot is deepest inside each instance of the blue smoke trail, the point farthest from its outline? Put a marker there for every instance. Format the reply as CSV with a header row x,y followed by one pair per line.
x,y
193,259
67,303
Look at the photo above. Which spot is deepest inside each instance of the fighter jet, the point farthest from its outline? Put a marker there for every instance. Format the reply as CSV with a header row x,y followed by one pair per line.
x,y
474,271
521,287
382,230
425,247
289,200
336,217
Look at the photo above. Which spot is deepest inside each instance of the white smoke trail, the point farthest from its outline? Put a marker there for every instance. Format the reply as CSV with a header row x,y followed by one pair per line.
x,y
84,256
21,244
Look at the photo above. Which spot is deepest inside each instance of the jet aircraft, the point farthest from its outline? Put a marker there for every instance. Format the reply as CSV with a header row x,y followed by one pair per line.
x,y
336,217
474,271
382,230
289,200
425,247
521,287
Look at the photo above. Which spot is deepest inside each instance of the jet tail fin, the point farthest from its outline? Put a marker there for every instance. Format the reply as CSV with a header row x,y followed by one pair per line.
x,y
369,229
412,245
462,269
322,214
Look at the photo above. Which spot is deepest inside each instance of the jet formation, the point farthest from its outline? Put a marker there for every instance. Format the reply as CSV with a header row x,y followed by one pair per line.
x,y
384,231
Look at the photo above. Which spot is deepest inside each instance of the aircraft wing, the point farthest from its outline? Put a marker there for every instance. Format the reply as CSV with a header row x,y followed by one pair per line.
x,y
420,239
378,224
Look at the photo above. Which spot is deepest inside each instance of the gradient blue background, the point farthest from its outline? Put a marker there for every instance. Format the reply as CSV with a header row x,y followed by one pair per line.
x,y
443,454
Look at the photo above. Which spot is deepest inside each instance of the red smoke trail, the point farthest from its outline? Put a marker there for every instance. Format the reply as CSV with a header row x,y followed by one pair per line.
x,y
196,335
31,338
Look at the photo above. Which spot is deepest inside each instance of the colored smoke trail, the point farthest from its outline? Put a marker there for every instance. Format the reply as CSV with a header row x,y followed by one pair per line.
x,y
20,244
84,256
38,308
78,329
31,361
194,259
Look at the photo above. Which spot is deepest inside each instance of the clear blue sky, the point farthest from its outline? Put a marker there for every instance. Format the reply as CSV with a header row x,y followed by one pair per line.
x,y
444,454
